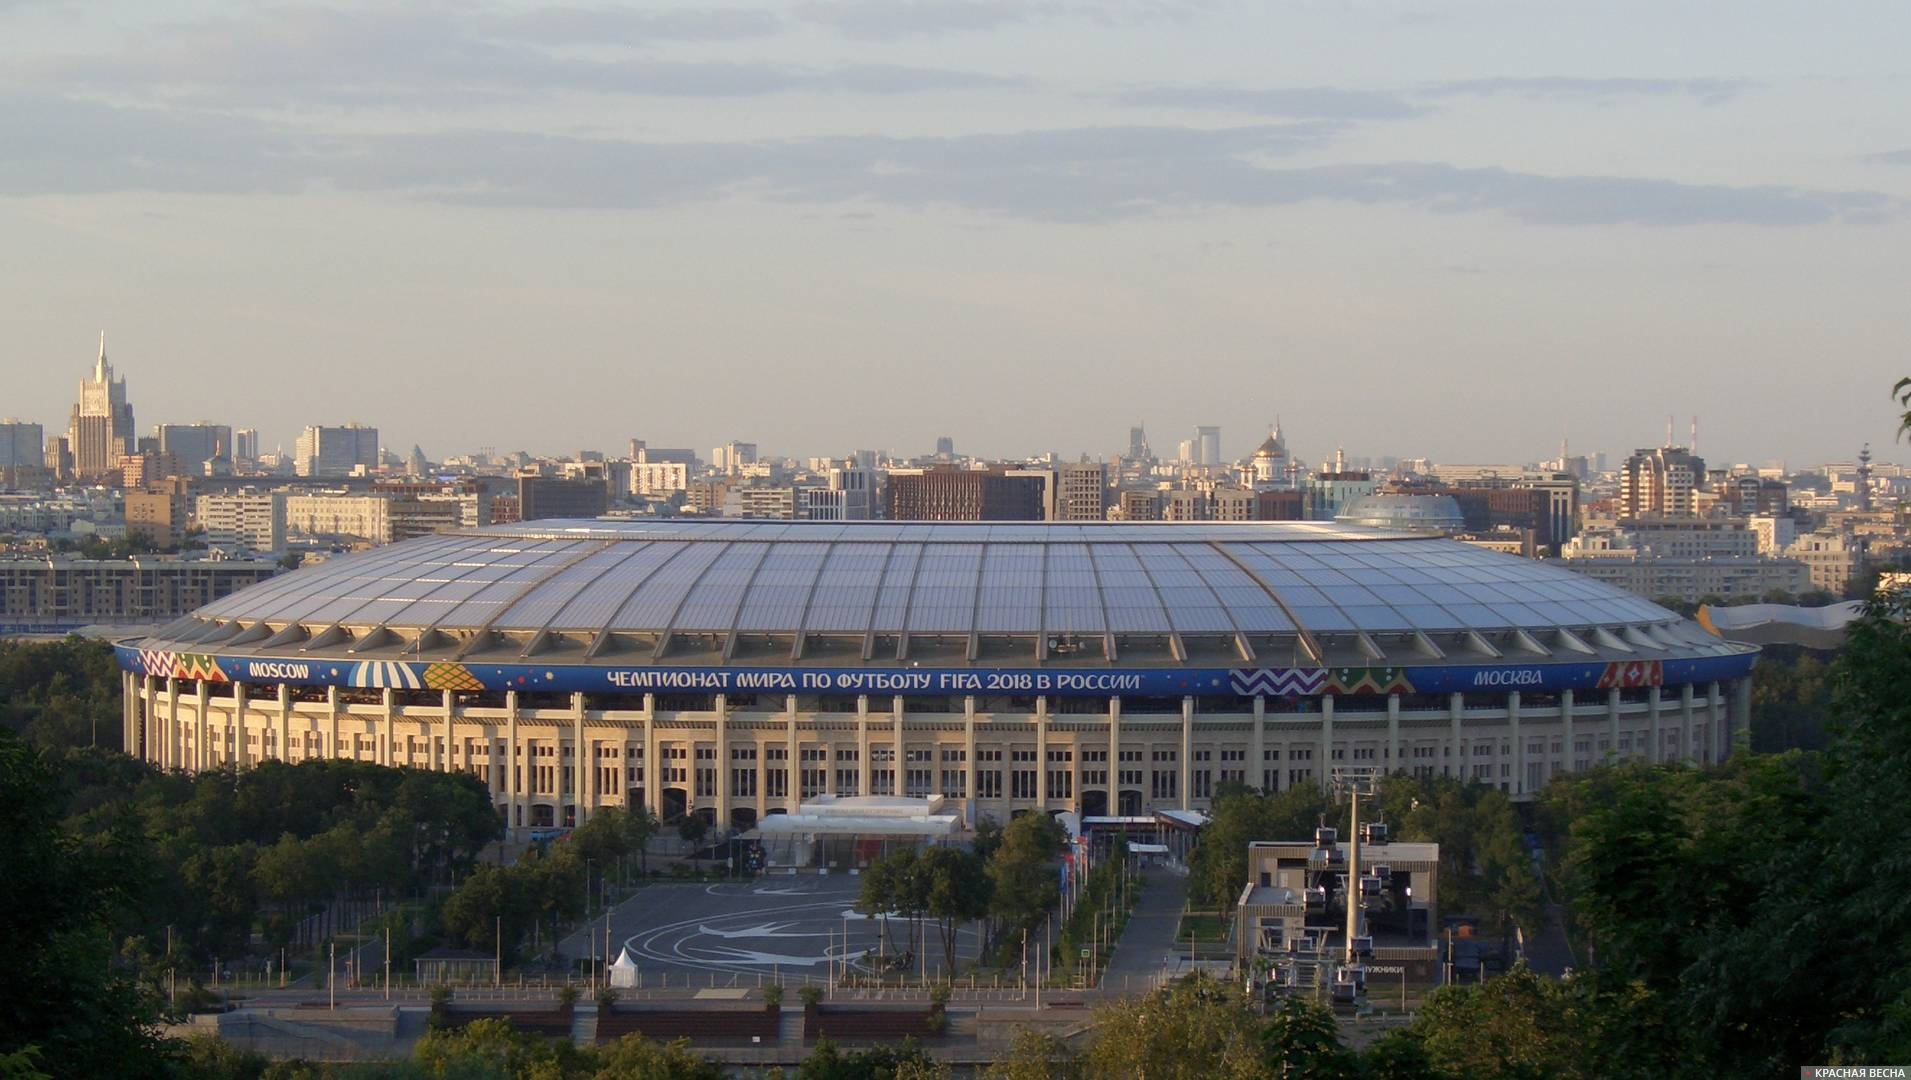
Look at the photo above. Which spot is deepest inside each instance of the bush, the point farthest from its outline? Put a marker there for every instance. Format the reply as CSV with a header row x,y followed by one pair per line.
x,y
607,999
939,996
567,997
810,995
773,997
937,1022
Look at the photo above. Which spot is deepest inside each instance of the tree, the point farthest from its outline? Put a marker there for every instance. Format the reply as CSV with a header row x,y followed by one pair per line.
x,y
1022,875
1036,1055
639,826
693,828
60,897
1198,1029
1302,1041
958,892
1218,868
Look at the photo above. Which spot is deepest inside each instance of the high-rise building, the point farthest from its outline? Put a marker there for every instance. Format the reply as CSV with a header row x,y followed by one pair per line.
x,y
335,451
731,457
101,429
1661,482
245,446
22,452
192,445
243,520
1137,504
949,494
159,510
1079,493
1138,445
59,457
945,447
1208,445
579,496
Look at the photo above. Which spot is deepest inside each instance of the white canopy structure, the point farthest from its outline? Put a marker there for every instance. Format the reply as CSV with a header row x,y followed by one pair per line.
x,y
1786,624
623,972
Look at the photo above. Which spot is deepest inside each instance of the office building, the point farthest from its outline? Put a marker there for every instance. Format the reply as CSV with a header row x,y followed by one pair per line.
x,y
101,430
336,451
192,446
160,510
1079,492
1661,482
1207,445
951,494
243,520
22,453
580,496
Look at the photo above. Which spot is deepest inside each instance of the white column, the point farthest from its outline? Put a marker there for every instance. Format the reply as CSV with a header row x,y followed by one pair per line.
x,y
385,733
1257,748
653,775
723,762
1566,721
899,766
1114,755
202,726
1075,774
1394,763
968,751
793,797
584,770
1657,753
441,755
1324,772
128,714
1456,710
1519,741
1041,754
762,779
331,707
147,743
1612,720
169,725
1187,751
238,724
513,782
862,741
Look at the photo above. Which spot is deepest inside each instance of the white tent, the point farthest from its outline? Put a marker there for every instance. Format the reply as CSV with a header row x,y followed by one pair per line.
x,y
623,973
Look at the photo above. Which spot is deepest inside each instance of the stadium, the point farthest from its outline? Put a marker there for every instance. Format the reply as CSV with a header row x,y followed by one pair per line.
x,y
744,670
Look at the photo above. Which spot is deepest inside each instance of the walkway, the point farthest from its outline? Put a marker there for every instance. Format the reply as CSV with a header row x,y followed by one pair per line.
x,y
1146,946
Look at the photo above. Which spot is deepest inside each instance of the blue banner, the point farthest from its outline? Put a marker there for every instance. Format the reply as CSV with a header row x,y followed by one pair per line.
x,y
932,682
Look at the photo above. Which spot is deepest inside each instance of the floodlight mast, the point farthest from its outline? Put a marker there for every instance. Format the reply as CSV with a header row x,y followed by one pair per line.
x,y
1356,783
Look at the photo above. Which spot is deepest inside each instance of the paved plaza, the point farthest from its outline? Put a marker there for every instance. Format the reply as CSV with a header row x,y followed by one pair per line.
x,y
790,927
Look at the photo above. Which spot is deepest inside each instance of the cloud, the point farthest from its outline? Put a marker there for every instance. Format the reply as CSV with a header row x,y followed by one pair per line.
x,y
1708,91
1890,157
1306,102
401,57
603,25
889,20
893,20
1065,175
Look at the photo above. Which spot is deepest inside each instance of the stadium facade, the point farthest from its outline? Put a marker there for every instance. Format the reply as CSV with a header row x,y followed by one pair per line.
x,y
736,669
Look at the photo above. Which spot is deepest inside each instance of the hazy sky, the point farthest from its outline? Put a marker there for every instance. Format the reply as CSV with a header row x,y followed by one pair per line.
x,y
1461,230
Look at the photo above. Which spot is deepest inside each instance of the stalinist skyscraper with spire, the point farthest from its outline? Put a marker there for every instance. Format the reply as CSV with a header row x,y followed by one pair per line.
x,y
102,426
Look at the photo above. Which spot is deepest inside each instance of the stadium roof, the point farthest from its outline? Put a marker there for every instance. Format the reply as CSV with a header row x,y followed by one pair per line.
x,y
738,593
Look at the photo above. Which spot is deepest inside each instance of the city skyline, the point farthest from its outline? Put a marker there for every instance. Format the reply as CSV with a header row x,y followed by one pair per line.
x,y
1678,432
1461,233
